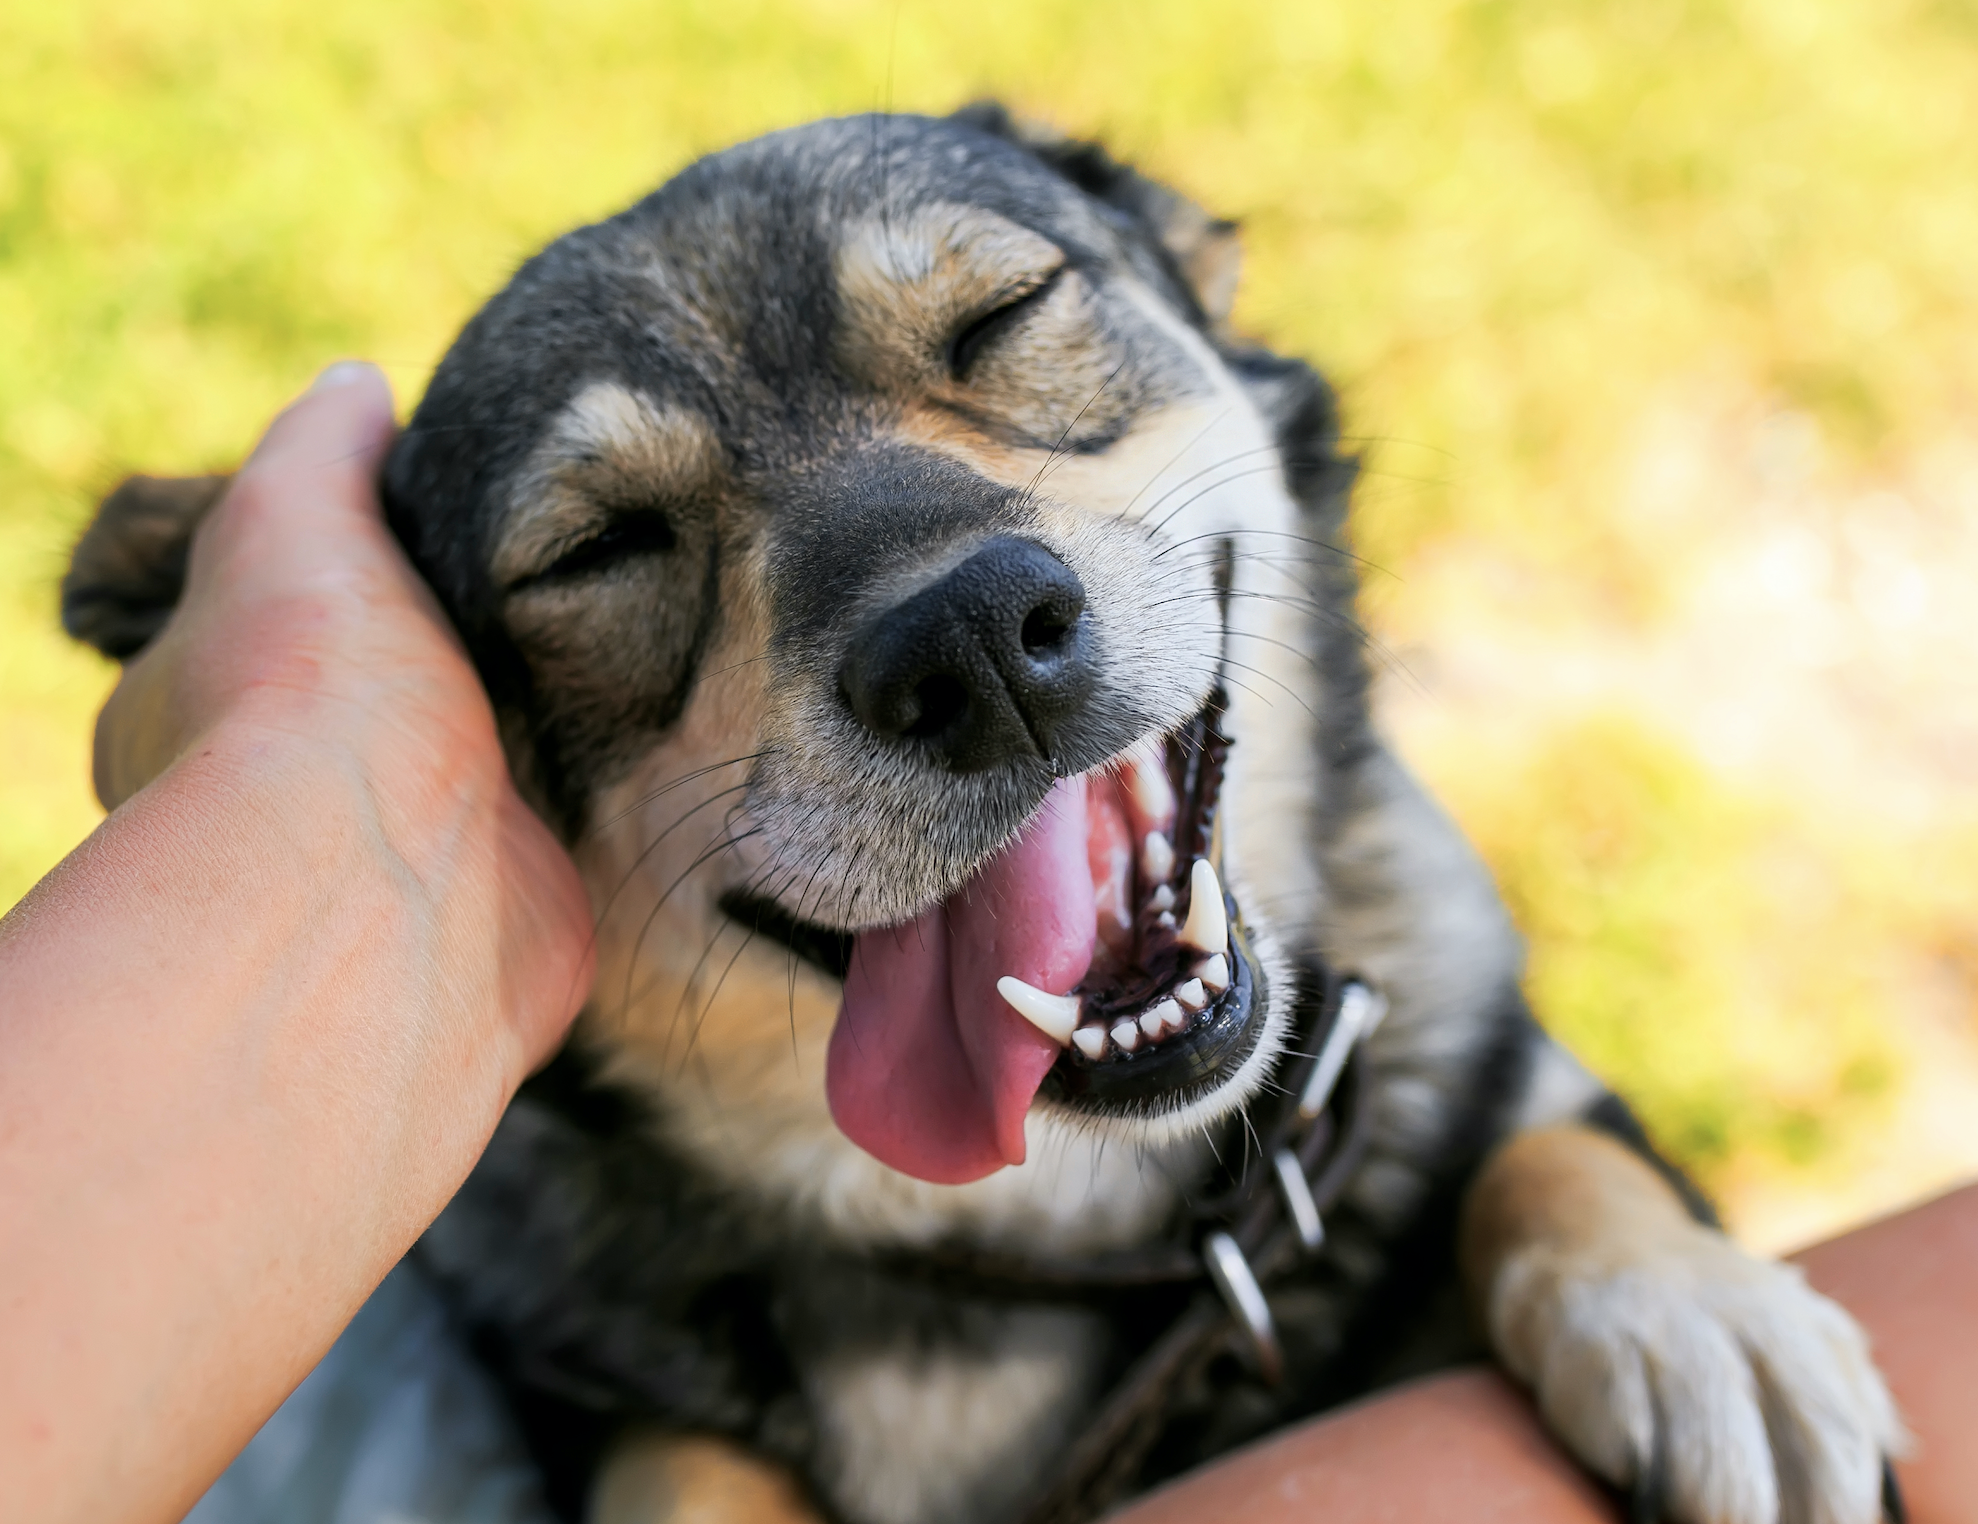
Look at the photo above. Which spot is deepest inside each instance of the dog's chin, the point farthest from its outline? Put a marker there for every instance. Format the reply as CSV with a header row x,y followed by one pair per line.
x,y
1171,1023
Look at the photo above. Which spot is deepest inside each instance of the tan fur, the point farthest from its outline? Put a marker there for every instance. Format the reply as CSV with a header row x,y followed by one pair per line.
x,y
611,446
906,282
1571,1189
659,1478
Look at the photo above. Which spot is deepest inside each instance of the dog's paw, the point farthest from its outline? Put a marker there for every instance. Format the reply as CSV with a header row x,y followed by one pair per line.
x,y
1718,1388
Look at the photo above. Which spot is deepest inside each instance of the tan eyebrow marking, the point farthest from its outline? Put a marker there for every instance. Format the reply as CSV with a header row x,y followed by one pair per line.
x,y
905,282
610,444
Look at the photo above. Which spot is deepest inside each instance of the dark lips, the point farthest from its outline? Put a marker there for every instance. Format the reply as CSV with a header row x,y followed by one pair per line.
x,y
1178,1070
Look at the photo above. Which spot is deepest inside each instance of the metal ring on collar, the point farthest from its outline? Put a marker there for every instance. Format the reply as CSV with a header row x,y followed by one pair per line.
x,y
1245,1298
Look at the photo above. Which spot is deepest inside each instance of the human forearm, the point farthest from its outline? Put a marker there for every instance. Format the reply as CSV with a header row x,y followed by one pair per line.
x,y
255,1031
224,1122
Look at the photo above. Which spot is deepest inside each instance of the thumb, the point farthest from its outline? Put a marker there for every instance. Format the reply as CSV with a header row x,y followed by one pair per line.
x,y
342,423
303,510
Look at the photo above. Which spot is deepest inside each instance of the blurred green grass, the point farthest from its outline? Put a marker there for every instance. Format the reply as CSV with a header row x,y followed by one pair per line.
x,y
1502,228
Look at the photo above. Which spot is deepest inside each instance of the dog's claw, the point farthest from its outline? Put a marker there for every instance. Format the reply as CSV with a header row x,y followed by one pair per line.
x,y
1648,1498
1894,1510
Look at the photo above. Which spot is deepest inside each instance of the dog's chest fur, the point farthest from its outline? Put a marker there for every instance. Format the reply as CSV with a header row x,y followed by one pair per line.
x,y
710,1271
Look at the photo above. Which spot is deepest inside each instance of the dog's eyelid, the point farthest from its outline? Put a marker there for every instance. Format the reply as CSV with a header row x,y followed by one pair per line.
x,y
1003,309
643,531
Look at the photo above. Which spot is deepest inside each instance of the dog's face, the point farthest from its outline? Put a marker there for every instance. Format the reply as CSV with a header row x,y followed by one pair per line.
x,y
880,573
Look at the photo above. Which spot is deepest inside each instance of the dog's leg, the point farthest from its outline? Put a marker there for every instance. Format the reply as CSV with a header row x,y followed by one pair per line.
x,y
662,1478
1717,1386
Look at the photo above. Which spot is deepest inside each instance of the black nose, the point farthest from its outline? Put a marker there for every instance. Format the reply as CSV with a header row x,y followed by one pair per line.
x,y
982,667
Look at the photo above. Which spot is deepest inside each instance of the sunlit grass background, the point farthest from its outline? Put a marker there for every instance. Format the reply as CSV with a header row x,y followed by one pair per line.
x,y
1656,322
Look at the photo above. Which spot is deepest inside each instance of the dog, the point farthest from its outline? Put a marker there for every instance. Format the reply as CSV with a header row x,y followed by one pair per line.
x,y
931,629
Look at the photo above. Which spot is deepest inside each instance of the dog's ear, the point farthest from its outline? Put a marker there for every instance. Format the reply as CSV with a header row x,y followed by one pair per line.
x,y
129,566
1204,251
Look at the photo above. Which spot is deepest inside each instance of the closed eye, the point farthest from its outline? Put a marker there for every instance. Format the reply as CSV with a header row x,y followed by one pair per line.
x,y
645,532
984,329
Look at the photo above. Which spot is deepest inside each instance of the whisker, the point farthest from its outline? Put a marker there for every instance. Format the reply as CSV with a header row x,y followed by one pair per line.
x,y
653,846
1210,469
666,788
1029,492
1127,512
1216,486
1276,534
632,959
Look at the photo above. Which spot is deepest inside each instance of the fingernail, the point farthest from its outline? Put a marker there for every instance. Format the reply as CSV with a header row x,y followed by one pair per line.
x,y
340,374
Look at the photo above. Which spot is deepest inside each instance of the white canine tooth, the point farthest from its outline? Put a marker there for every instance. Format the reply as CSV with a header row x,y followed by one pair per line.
x,y
1091,1040
1166,919
1163,1017
1127,1035
1056,1016
1156,857
1214,972
1208,924
1191,995
1148,779
1162,898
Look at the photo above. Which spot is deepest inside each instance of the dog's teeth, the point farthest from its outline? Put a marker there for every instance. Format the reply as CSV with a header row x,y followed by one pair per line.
x,y
1148,779
1165,920
1207,927
1191,995
1156,857
1165,1017
1127,1035
1056,1016
1214,972
1162,898
1091,1040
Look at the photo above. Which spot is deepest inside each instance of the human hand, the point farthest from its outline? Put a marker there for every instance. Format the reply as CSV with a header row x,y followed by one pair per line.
x,y
303,626
258,1028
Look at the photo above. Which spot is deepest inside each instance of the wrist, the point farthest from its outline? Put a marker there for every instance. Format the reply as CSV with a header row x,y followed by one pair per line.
x,y
249,1047
370,866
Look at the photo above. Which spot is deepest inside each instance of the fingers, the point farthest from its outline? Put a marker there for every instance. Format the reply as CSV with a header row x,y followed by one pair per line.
x,y
300,525
308,496
336,432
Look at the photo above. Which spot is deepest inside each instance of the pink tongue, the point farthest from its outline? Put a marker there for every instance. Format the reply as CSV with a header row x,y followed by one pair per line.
x,y
930,1071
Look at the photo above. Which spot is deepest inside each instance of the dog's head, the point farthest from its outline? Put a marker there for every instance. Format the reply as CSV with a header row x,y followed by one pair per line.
x,y
889,577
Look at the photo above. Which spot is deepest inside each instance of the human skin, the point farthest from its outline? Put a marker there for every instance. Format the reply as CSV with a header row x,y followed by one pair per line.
x,y
1468,1446
257,1028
